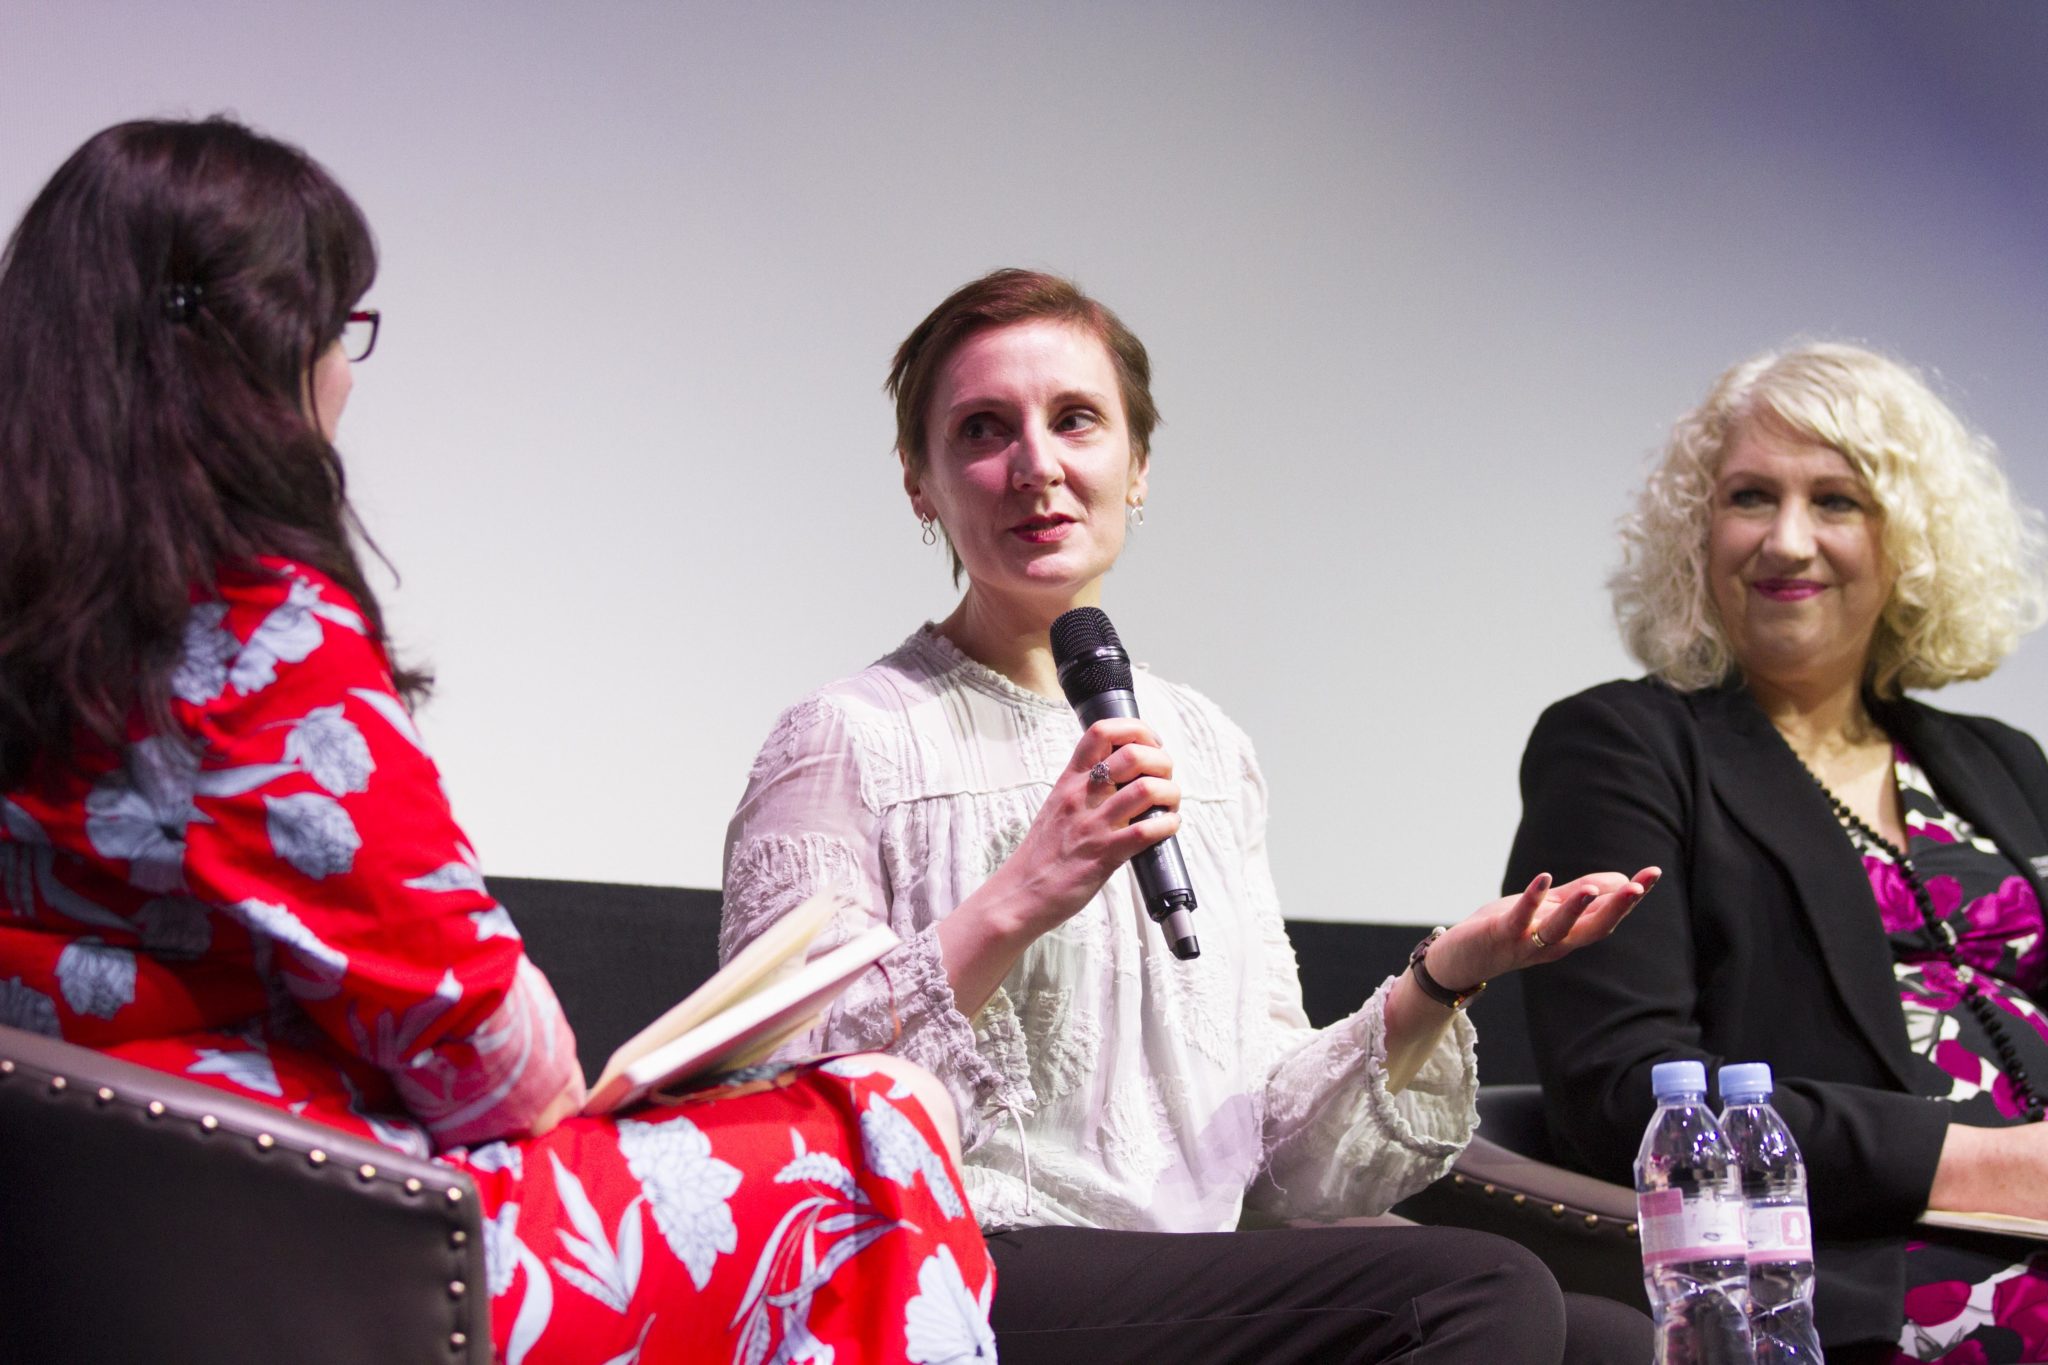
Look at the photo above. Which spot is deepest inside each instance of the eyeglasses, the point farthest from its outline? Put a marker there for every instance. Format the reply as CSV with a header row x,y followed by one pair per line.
x,y
359,334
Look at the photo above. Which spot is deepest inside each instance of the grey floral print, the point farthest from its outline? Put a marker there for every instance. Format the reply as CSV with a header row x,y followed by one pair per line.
x,y
321,965
96,978
945,1324
250,1069
897,1151
332,750
501,1248
287,634
27,1008
312,833
202,674
608,1270
687,1188
140,811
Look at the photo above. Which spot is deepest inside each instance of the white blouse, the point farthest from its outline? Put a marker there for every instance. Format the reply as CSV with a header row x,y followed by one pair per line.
x,y
1106,1083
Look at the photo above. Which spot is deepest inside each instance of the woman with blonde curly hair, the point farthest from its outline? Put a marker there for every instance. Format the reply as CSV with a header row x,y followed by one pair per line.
x,y
1853,880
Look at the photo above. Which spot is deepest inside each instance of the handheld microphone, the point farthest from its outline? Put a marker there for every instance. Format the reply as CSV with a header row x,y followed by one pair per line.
x,y
1095,673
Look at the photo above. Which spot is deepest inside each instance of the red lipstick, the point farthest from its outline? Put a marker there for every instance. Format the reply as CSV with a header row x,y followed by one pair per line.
x,y
1042,530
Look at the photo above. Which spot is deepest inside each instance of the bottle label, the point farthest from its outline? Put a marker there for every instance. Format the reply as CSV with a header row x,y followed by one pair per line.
x,y
1780,1233
1674,1230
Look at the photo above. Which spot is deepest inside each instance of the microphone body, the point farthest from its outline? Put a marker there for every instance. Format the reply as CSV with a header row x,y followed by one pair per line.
x,y
1095,673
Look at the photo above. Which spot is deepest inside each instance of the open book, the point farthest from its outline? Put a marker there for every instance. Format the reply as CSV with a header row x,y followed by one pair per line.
x,y
767,994
2004,1224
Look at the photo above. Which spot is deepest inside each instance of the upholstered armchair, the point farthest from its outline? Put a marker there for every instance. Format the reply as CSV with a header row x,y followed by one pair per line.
x,y
1508,1181
144,1217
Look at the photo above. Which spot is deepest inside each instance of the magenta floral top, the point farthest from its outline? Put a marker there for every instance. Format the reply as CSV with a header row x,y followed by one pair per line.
x,y
1981,898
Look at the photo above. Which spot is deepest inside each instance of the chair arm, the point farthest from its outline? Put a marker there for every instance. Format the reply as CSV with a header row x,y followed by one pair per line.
x,y
1583,1228
144,1216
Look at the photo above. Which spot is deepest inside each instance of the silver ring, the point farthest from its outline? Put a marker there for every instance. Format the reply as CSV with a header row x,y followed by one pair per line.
x,y
1100,774
1536,937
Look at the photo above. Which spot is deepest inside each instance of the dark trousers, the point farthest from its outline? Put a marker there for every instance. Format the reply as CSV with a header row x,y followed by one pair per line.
x,y
1414,1295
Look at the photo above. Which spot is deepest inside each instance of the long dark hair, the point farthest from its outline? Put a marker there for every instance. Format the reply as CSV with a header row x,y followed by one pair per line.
x,y
162,304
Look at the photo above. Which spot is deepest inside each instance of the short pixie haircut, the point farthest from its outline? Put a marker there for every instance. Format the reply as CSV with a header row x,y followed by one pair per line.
x,y
1003,298
1967,553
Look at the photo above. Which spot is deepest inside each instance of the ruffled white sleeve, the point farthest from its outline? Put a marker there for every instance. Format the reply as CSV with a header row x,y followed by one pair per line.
x,y
1337,1143
805,827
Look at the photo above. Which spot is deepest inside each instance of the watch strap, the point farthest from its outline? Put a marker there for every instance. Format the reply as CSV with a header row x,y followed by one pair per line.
x,y
1418,967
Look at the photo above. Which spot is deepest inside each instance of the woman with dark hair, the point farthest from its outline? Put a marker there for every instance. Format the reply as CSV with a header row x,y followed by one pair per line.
x,y
1855,879
224,853
1125,1109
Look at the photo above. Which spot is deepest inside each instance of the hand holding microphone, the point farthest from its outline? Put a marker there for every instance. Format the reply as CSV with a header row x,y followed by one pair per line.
x,y
1095,673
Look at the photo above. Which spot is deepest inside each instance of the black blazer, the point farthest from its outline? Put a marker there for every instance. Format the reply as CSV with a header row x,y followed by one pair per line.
x,y
1762,943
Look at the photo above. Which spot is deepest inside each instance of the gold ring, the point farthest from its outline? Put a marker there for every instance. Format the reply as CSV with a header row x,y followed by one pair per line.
x,y
1536,937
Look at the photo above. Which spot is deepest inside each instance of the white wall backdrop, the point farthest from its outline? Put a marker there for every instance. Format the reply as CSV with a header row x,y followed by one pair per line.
x,y
1423,284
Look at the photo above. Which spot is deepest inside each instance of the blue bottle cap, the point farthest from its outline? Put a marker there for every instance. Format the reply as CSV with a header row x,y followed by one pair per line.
x,y
1669,1080
1744,1082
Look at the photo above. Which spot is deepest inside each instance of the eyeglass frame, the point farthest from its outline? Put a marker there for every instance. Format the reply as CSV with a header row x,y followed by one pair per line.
x,y
373,316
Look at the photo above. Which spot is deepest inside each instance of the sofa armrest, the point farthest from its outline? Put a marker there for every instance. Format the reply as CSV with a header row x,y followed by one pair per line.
x,y
144,1216
1582,1227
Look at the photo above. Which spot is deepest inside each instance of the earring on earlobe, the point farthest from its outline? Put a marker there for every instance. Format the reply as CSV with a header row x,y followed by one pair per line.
x,y
1135,515
931,535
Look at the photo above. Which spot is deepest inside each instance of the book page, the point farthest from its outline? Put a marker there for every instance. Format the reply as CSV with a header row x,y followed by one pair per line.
x,y
2004,1224
749,1029
777,952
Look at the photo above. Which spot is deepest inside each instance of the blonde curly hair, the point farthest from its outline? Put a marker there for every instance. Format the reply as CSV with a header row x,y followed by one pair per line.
x,y
1967,553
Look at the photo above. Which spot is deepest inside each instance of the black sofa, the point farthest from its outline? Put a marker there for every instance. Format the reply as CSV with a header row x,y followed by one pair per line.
x,y
144,1216
619,955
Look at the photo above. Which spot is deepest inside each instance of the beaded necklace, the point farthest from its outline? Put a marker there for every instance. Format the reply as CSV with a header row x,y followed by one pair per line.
x,y
1943,938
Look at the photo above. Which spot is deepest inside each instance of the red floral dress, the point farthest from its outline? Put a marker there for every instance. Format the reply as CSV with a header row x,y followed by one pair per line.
x,y
285,909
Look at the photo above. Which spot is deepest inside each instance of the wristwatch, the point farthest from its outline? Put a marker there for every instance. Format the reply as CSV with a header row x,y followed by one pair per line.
x,y
1433,988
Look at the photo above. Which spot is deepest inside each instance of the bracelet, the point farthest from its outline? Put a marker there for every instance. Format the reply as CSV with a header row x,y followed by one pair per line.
x,y
1430,986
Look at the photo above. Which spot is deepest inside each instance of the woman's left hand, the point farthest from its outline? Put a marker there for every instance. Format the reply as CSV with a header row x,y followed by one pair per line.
x,y
1542,924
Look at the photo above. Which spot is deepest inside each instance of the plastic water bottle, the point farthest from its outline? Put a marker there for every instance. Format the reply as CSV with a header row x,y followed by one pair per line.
x,y
1780,1234
1689,1213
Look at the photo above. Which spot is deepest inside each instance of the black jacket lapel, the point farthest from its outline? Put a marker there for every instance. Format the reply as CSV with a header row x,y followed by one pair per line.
x,y
1770,794
1971,780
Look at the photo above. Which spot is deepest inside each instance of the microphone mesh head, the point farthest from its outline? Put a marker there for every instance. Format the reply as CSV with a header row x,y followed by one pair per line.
x,y
1081,639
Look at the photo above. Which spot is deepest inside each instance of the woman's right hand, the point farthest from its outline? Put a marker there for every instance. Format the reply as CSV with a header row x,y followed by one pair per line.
x,y
1085,831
